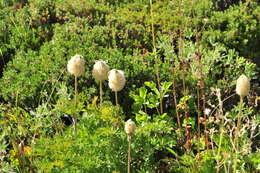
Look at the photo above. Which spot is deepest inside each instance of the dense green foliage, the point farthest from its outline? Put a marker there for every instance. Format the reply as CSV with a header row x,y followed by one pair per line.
x,y
179,58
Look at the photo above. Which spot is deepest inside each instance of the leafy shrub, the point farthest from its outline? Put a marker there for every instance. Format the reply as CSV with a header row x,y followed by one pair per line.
x,y
48,65
236,28
101,140
46,34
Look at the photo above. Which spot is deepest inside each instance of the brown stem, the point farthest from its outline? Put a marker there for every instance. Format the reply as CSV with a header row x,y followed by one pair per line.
x,y
198,94
204,113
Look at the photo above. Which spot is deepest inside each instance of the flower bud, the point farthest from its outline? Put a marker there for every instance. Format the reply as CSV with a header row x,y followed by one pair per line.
x,y
116,80
100,70
243,86
76,65
130,127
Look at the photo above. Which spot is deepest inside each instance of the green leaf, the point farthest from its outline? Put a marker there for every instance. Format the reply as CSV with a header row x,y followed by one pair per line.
x,y
172,151
141,116
151,85
143,93
166,86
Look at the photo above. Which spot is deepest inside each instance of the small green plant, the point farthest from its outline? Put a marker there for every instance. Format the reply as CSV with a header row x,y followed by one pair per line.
x,y
152,99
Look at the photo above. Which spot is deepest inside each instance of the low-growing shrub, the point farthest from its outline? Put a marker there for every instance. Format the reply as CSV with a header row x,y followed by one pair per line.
x,y
101,139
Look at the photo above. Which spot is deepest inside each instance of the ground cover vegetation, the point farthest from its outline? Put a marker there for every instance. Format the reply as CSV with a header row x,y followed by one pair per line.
x,y
186,72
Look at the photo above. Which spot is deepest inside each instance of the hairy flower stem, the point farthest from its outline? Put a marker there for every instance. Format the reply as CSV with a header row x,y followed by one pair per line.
x,y
236,140
101,92
129,154
74,119
116,98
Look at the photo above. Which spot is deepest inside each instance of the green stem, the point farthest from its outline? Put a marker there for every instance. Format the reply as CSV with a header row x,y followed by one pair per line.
x,y
161,105
220,141
225,167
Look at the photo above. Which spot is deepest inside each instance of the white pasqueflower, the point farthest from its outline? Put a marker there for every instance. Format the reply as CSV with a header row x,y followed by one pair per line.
x,y
100,70
76,65
243,86
130,127
116,80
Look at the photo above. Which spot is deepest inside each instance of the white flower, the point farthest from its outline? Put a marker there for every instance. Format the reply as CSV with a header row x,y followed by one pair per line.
x,y
205,20
130,127
100,70
207,111
116,80
76,65
243,86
